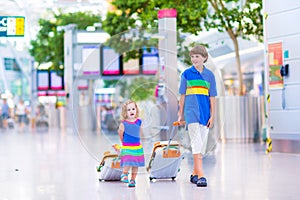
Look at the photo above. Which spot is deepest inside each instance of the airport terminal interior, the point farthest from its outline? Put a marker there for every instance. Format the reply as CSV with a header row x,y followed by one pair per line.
x,y
59,133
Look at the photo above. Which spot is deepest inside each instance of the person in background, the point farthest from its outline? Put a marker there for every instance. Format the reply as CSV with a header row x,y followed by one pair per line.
x,y
132,153
21,113
197,107
5,114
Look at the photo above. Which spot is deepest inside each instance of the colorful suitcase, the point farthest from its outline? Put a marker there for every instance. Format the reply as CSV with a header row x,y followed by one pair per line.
x,y
166,158
109,167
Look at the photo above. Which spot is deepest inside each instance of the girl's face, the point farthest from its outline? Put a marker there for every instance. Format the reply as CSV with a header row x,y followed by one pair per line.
x,y
131,111
197,60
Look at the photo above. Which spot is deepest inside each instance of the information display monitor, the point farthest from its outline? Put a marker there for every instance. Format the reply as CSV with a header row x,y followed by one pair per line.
x,y
110,61
42,80
150,60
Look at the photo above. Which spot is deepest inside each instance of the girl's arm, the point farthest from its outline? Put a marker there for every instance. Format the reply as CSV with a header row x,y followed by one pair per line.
x,y
121,131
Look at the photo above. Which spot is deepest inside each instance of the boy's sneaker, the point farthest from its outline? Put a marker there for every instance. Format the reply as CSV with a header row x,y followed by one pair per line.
x,y
131,183
202,182
124,178
194,179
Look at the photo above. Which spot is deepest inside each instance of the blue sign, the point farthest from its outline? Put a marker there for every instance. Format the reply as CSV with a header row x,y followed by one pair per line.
x,y
12,26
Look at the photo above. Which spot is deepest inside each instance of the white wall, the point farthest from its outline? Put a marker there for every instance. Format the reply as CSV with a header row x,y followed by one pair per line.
x,y
283,24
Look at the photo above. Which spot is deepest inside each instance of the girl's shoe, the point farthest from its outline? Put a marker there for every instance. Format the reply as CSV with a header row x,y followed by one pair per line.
x,y
131,183
124,178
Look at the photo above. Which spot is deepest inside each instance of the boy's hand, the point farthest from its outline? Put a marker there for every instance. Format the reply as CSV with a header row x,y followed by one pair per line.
x,y
210,123
180,117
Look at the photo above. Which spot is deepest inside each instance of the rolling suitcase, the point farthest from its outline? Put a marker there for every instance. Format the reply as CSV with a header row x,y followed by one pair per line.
x,y
109,167
166,158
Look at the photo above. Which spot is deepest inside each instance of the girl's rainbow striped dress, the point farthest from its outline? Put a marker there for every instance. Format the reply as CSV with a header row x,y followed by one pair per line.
x,y
132,153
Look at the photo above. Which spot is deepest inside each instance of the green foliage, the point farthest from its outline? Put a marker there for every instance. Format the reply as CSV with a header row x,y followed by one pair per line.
x,y
48,45
141,88
239,18
136,88
132,22
110,83
242,19
189,15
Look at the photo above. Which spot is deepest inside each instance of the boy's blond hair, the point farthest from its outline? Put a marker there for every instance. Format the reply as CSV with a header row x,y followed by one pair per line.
x,y
199,49
124,109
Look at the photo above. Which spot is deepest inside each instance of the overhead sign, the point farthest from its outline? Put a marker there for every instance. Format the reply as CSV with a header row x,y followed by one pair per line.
x,y
12,26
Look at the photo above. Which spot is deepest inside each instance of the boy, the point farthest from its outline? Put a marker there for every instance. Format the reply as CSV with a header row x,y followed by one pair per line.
x,y
197,106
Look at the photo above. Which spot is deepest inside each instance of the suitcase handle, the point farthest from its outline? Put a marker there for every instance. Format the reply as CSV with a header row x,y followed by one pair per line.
x,y
157,146
179,123
108,155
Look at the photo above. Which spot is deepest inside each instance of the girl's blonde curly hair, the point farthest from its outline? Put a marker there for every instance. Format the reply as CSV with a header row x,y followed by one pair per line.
x,y
124,109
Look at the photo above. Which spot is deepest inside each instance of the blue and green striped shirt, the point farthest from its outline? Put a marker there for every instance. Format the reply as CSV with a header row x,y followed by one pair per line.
x,y
197,88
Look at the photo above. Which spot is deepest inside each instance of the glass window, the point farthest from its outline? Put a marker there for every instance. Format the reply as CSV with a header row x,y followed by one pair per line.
x,y
11,64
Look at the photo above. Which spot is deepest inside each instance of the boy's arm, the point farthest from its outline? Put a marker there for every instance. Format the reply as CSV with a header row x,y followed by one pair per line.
x,y
181,106
121,131
210,123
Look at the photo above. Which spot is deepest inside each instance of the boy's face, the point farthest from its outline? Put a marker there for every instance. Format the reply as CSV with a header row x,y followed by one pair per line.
x,y
197,60
131,111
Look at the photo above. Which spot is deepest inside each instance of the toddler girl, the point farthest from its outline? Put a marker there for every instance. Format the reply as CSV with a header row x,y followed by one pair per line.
x,y
132,153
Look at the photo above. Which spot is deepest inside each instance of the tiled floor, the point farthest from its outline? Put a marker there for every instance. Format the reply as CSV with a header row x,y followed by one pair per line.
x,y
60,164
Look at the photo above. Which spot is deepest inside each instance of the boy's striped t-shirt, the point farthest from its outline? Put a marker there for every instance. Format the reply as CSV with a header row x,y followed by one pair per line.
x,y
197,88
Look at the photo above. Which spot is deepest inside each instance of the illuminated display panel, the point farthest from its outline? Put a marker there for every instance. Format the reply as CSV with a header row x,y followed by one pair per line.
x,y
42,80
90,60
111,61
132,66
150,61
56,82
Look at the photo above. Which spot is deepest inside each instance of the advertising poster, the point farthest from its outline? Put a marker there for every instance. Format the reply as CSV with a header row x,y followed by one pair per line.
x,y
275,54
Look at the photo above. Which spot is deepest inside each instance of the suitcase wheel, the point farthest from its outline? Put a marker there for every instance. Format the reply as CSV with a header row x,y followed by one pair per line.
x,y
173,178
151,178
